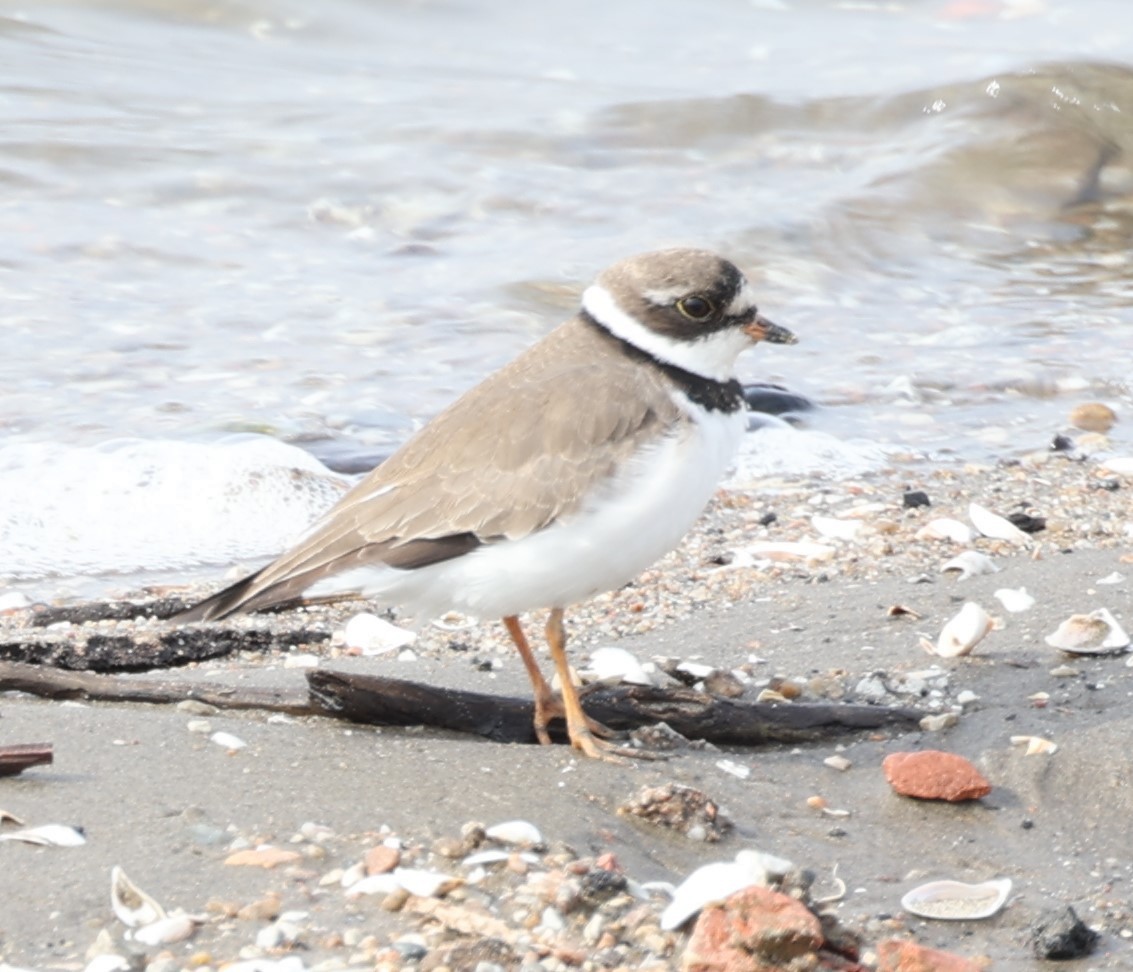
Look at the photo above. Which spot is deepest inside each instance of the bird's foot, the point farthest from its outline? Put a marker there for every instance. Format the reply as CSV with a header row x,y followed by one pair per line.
x,y
551,706
582,739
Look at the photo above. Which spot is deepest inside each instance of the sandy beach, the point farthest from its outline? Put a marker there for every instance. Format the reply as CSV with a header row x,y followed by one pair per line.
x,y
157,798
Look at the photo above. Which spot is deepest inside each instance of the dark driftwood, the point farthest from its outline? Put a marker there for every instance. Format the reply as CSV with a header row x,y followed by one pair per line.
x,y
389,701
16,759
52,683
85,648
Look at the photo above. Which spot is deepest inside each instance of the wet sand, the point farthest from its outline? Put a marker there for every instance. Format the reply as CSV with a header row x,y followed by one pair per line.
x,y
169,806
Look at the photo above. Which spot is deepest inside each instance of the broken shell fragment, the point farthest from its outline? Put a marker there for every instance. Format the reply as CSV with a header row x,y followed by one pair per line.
x,y
131,904
966,630
1096,633
166,931
48,835
613,666
720,880
372,635
1015,600
425,884
970,563
946,528
518,833
1036,745
995,526
783,550
957,901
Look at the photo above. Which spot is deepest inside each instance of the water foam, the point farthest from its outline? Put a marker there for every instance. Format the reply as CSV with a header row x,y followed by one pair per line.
x,y
134,505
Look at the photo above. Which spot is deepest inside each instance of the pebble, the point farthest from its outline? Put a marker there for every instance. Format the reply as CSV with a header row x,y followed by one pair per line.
x,y
1058,933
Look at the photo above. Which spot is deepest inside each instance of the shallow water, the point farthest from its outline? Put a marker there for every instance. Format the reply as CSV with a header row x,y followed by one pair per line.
x,y
323,222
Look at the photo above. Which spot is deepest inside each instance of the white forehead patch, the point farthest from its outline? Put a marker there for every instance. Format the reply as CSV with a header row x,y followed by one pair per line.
x,y
664,296
743,302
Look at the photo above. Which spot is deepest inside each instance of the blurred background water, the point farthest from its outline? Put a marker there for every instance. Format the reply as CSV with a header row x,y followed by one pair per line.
x,y
324,221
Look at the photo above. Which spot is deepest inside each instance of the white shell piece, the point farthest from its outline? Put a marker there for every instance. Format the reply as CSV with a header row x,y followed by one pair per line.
x,y
957,901
227,740
424,884
695,669
48,835
966,630
373,635
946,528
1096,633
1115,578
1015,600
14,601
1122,465
836,529
518,833
165,931
995,526
732,768
788,550
131,904
614,665
374,884
720,880
1036,745
481,858
970,563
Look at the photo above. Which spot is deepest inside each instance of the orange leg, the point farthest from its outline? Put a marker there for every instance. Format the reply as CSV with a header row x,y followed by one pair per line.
x,y
582,730
546,705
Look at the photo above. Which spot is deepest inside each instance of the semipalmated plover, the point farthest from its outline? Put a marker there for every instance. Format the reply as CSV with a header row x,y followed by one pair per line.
x,y
562,475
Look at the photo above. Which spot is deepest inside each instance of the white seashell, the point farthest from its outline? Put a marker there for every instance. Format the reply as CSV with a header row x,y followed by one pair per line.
x,y
14,601
946,528
1114,578
970,563
374,884
1015,600
1122,465
166,931
788,550
614,665
425,884
481,858
720,880
956,901
107,962
130,903
695,669
373,635
838,762
1096,633
732,768
836,529
518,833
1036,745
995,526
228,741
48,835
966,630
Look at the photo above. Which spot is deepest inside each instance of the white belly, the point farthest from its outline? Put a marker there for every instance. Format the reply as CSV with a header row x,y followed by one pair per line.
x,y
641,516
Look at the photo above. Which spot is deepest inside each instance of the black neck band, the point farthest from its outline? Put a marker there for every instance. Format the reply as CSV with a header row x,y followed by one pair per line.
x,y
709,393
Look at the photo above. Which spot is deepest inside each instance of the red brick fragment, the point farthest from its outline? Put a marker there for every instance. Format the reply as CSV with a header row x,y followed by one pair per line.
x,y
755,930
933,775
898,955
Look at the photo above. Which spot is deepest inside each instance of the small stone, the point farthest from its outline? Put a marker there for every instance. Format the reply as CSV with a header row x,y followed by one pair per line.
x,y
1060,934
915,498
680,808
935,775
196,707
1093,417
382,859
897,955
939,721
755,928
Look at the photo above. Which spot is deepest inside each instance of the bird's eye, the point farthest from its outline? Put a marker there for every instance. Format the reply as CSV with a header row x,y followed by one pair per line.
x,y
695,308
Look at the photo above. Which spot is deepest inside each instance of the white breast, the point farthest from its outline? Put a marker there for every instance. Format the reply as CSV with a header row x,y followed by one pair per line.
x,y
639,516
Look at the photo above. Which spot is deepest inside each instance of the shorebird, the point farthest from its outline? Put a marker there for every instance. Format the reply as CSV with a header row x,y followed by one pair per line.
x,y
560,476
